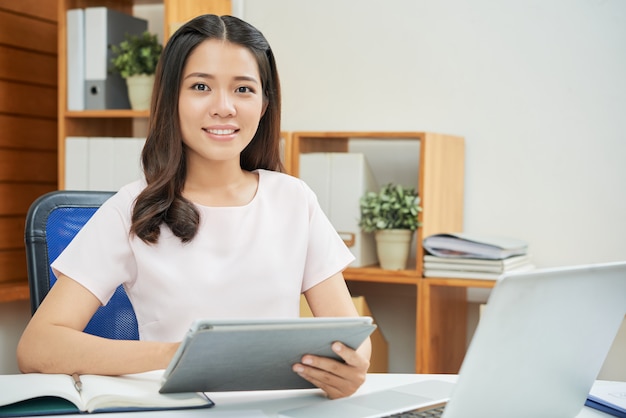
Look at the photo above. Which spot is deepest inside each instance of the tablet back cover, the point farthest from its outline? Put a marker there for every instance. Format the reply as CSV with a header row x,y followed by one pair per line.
x,y
258,355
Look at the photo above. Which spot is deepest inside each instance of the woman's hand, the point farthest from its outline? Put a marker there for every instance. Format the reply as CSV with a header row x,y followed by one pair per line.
x,y
336,378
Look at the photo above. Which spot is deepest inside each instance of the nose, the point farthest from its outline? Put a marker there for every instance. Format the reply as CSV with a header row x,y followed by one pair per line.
x,y
222,104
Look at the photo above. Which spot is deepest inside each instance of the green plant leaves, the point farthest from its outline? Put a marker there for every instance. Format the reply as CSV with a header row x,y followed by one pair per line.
x,y
136,55
393,207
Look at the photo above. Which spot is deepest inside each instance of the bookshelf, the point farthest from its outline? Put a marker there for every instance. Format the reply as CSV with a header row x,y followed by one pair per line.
x,y
441,306
107,123
114,123
439,171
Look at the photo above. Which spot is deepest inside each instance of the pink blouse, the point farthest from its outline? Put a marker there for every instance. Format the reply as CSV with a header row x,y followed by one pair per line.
x,y
247,261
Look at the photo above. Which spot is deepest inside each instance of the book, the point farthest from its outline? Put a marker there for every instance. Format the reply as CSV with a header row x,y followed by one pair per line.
x,y
432,262
45,394
463,274
609,397
474,246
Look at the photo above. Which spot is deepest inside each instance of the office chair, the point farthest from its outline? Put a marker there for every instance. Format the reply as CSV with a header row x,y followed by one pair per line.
x,y
52,222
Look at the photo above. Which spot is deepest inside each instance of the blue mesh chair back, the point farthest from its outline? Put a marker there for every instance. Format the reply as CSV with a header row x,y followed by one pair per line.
x,y
51,223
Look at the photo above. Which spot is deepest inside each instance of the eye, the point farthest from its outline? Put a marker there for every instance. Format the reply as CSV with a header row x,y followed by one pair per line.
x,y
200,87
244,89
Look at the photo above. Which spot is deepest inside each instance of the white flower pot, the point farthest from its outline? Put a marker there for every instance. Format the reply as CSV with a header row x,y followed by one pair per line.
x,y
140,91
393,246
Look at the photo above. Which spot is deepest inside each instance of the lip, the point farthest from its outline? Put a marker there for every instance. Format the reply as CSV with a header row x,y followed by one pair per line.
x,y
221,132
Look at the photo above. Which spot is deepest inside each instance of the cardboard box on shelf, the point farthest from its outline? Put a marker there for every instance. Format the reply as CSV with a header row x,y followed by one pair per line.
x,y
379,362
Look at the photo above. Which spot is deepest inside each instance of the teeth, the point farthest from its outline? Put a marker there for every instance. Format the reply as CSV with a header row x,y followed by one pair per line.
x,y
221,131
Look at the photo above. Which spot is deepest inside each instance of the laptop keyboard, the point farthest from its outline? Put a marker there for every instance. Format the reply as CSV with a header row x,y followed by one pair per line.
x,y
419,413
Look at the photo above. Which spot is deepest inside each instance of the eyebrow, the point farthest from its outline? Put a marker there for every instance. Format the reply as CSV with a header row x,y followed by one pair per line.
x,y
209,76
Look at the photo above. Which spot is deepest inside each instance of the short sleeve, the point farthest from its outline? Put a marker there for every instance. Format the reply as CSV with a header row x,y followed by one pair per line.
x,y
327,254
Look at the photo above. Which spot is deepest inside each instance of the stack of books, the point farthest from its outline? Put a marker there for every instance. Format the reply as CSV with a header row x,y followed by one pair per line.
x,y
608,396
472,256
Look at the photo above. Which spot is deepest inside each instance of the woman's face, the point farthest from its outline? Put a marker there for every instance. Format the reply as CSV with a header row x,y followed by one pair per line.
x,y
221,101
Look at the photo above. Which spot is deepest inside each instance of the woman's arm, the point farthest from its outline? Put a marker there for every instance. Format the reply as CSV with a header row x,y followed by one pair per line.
x,y
332,298
54,341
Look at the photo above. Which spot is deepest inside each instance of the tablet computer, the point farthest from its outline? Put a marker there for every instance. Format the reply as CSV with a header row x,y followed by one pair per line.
x,y
256,354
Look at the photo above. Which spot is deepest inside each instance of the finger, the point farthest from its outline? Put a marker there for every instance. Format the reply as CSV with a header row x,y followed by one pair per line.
x,y
334,386
332,392
337,379
350,356
351,360
325,368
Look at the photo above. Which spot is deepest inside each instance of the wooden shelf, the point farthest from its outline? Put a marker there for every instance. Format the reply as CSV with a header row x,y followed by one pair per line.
x,y
442,323
113,123
441,304
13,291
439,171
378,275
455,282
99,122
105,114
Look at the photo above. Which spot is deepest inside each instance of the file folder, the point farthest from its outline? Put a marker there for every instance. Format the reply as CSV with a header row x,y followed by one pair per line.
x,y
102,163
76,163
75,44
339,180
105,27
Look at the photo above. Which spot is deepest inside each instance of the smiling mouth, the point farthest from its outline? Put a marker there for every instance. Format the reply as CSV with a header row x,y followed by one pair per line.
x,y
221,131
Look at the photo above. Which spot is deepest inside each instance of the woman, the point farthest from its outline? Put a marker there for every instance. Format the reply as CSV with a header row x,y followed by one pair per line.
x,y
214,230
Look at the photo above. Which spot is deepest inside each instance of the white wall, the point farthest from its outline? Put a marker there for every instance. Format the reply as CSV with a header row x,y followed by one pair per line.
x,y
13,318
538,90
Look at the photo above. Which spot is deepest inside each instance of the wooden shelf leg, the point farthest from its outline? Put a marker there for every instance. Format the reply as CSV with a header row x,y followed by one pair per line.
x,y
442,328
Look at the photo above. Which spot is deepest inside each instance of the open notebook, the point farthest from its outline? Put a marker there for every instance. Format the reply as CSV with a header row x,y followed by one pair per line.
x,y
537,351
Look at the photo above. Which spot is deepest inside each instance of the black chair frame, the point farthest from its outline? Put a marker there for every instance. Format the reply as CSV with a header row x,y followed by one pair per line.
x,y
117,318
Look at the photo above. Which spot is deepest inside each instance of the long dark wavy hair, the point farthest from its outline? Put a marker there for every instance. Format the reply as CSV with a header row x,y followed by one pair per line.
x,y
164,154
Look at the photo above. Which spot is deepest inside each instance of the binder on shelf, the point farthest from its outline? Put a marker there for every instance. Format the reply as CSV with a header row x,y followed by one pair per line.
x,y
101,158
105,27
339,180
75,44
127,157
76,163
114,162
102,163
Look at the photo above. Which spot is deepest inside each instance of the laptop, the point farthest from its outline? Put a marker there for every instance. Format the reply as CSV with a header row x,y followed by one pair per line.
x,y
256,353
539,345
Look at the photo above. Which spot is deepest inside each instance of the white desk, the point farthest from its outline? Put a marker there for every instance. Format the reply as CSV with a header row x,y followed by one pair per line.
x,y
268,404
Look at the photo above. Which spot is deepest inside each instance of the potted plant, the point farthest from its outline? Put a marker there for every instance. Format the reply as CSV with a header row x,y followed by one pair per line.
x,y
392,214
135,59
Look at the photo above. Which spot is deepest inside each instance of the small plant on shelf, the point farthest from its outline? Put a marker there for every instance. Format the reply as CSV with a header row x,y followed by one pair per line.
x,y
393,207
137,54
392,214
135,59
